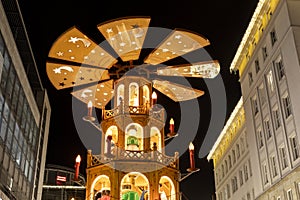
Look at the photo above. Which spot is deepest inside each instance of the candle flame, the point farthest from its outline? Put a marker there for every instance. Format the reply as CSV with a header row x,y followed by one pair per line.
x,y
90,104
78,159
154,95
171,121
191,146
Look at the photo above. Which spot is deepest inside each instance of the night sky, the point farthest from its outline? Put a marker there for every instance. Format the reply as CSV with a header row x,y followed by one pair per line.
x,y
222,22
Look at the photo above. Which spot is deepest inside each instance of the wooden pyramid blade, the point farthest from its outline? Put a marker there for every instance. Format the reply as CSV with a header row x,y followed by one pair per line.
x,y
126,36
176,92
65,76
209,69
178,43
99,94
75,46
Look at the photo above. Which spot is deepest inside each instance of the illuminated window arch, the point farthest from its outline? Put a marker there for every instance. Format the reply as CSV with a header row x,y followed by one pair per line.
x,y
146,94
166,188
100,183
113,131
155,136
120,94
133,94
133,183
134,137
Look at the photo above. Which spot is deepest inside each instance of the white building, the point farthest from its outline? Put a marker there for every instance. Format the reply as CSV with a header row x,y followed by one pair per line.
x,y
24,111
268,64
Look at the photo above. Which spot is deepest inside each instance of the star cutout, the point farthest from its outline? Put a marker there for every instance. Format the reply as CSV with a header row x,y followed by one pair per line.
x,y
81,78
109,30
59,53
73,40
122,44
177,36
57,70
62,84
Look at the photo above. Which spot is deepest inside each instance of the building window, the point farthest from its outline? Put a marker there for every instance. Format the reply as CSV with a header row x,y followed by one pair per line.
x,y
289,194
241,177
273,37
276,118
222,169
265,174
287,106
255,106
260,138
268,129
273,166
257,67
294,147
250,77
262,94
226,166
278,198
248,196
264,53
238,153
228,191
246,173
233,156
280,68
283,158
234,184
270,81
229,161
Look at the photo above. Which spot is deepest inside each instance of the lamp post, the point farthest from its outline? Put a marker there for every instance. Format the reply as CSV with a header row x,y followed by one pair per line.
x,y
77,164
89,116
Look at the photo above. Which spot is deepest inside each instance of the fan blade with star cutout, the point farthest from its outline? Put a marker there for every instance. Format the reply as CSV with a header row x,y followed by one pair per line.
x,y
64,76
177,43
176,92
99,94
75,46
126,35
208,69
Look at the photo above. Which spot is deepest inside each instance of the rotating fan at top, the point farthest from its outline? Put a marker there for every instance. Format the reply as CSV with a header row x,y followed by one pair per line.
x,y
75,60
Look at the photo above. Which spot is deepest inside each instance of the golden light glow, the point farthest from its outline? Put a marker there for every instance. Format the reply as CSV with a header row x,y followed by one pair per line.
x,y
191,146
78,159
178,43
259,19
229,131
171,121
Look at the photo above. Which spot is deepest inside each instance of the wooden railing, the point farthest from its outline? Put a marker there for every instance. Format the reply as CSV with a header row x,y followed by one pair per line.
x,y
134,110
140,156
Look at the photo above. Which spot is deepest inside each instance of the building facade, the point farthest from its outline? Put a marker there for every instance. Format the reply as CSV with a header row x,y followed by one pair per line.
x,y
268,64
59,184
24,111
231,156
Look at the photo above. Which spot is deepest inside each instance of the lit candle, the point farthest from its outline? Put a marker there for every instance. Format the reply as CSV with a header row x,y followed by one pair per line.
x,y
77,164
192,160
90,106
154,98
108,144
171,128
